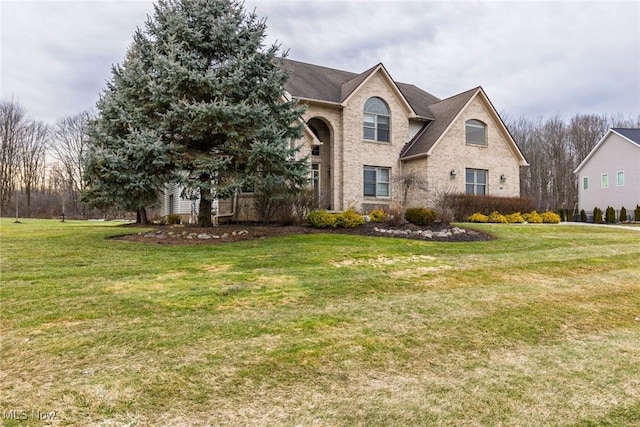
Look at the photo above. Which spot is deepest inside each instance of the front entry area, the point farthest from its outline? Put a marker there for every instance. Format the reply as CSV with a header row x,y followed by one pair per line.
x,y
321,156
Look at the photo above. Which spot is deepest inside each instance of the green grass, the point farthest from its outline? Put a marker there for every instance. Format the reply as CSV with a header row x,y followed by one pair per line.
x,y
538,327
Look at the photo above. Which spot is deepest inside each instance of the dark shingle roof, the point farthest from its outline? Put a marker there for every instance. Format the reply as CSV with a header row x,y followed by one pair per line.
x,y
310,81
314,82
444,111
631,134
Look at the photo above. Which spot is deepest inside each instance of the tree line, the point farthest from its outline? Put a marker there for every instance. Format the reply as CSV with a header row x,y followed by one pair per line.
x,y
42,166
554,147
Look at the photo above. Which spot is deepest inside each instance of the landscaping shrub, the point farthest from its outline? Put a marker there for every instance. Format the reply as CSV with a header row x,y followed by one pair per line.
x,y
636,215
610,215
550,217
463,205
320,218
561,214
623,214
378,215
533,217
478,217
173,219
597,215
420,216
514,218
583,216
497,217
349,219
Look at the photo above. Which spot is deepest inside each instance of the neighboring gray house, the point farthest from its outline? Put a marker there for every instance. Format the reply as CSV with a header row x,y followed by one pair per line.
x,y
364,132
610,174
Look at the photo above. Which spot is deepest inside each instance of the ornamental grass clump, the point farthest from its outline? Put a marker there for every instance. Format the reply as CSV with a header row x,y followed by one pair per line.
x,y
550,217
420,216
349,219
496,217
478,217
533,217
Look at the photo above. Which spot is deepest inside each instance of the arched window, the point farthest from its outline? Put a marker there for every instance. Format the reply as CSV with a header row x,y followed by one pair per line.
x,y
476,132
376,120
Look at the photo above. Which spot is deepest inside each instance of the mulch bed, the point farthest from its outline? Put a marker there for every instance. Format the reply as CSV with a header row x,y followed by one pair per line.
x,y
178,235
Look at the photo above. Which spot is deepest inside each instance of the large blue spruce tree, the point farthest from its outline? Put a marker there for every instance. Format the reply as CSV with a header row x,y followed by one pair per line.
x,y
200,101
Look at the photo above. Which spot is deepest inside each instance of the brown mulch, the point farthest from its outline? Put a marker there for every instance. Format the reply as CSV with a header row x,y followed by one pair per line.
x,y
176,235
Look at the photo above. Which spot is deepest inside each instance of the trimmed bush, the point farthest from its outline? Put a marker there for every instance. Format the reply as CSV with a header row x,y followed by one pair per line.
x,y
597,215
378,215
623,214
610,215
349,219
550,217
478,217
636,213
561,214
420,216
173,219
583,216
320,218
514,218
533,217
497,218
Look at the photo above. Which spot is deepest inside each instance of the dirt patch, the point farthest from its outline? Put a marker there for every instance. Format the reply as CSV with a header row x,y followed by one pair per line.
x,y
226,233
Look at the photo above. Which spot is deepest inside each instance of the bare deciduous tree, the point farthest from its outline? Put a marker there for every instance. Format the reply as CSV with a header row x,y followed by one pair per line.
x,y
69,148
12,123
32,149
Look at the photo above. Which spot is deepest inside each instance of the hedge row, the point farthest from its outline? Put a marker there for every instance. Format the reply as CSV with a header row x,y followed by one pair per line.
x,y
463,205
532,217
609,215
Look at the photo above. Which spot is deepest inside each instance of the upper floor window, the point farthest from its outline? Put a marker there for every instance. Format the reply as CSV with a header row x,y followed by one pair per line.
x,y
604,180
376,120
620,179
585,183
476,132
476,181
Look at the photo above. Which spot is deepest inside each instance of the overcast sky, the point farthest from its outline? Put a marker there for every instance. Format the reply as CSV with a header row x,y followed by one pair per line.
x,y
533,59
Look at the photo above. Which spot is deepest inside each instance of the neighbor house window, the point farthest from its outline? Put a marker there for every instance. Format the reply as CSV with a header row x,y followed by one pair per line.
x,y
315,150
585,183
604,180
476,181
620,179
376,181
376,120
476,132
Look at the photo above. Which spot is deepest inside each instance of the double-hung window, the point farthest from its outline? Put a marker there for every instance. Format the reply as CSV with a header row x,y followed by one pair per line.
x,y
476,181
376,122
377,181
604,180
620,179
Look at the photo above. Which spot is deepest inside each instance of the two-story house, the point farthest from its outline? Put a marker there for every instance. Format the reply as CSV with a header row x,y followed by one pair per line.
x,y
373,141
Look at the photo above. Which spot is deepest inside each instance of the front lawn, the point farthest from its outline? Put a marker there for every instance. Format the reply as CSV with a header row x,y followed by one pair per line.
x,y
538,327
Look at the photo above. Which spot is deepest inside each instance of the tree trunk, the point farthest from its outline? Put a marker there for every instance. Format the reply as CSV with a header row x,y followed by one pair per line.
x,y
143,215
204,210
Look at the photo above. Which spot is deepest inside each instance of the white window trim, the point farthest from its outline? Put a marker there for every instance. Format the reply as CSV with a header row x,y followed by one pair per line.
x,y
585,183
618,175
376,124
477,124
475,181
604,180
